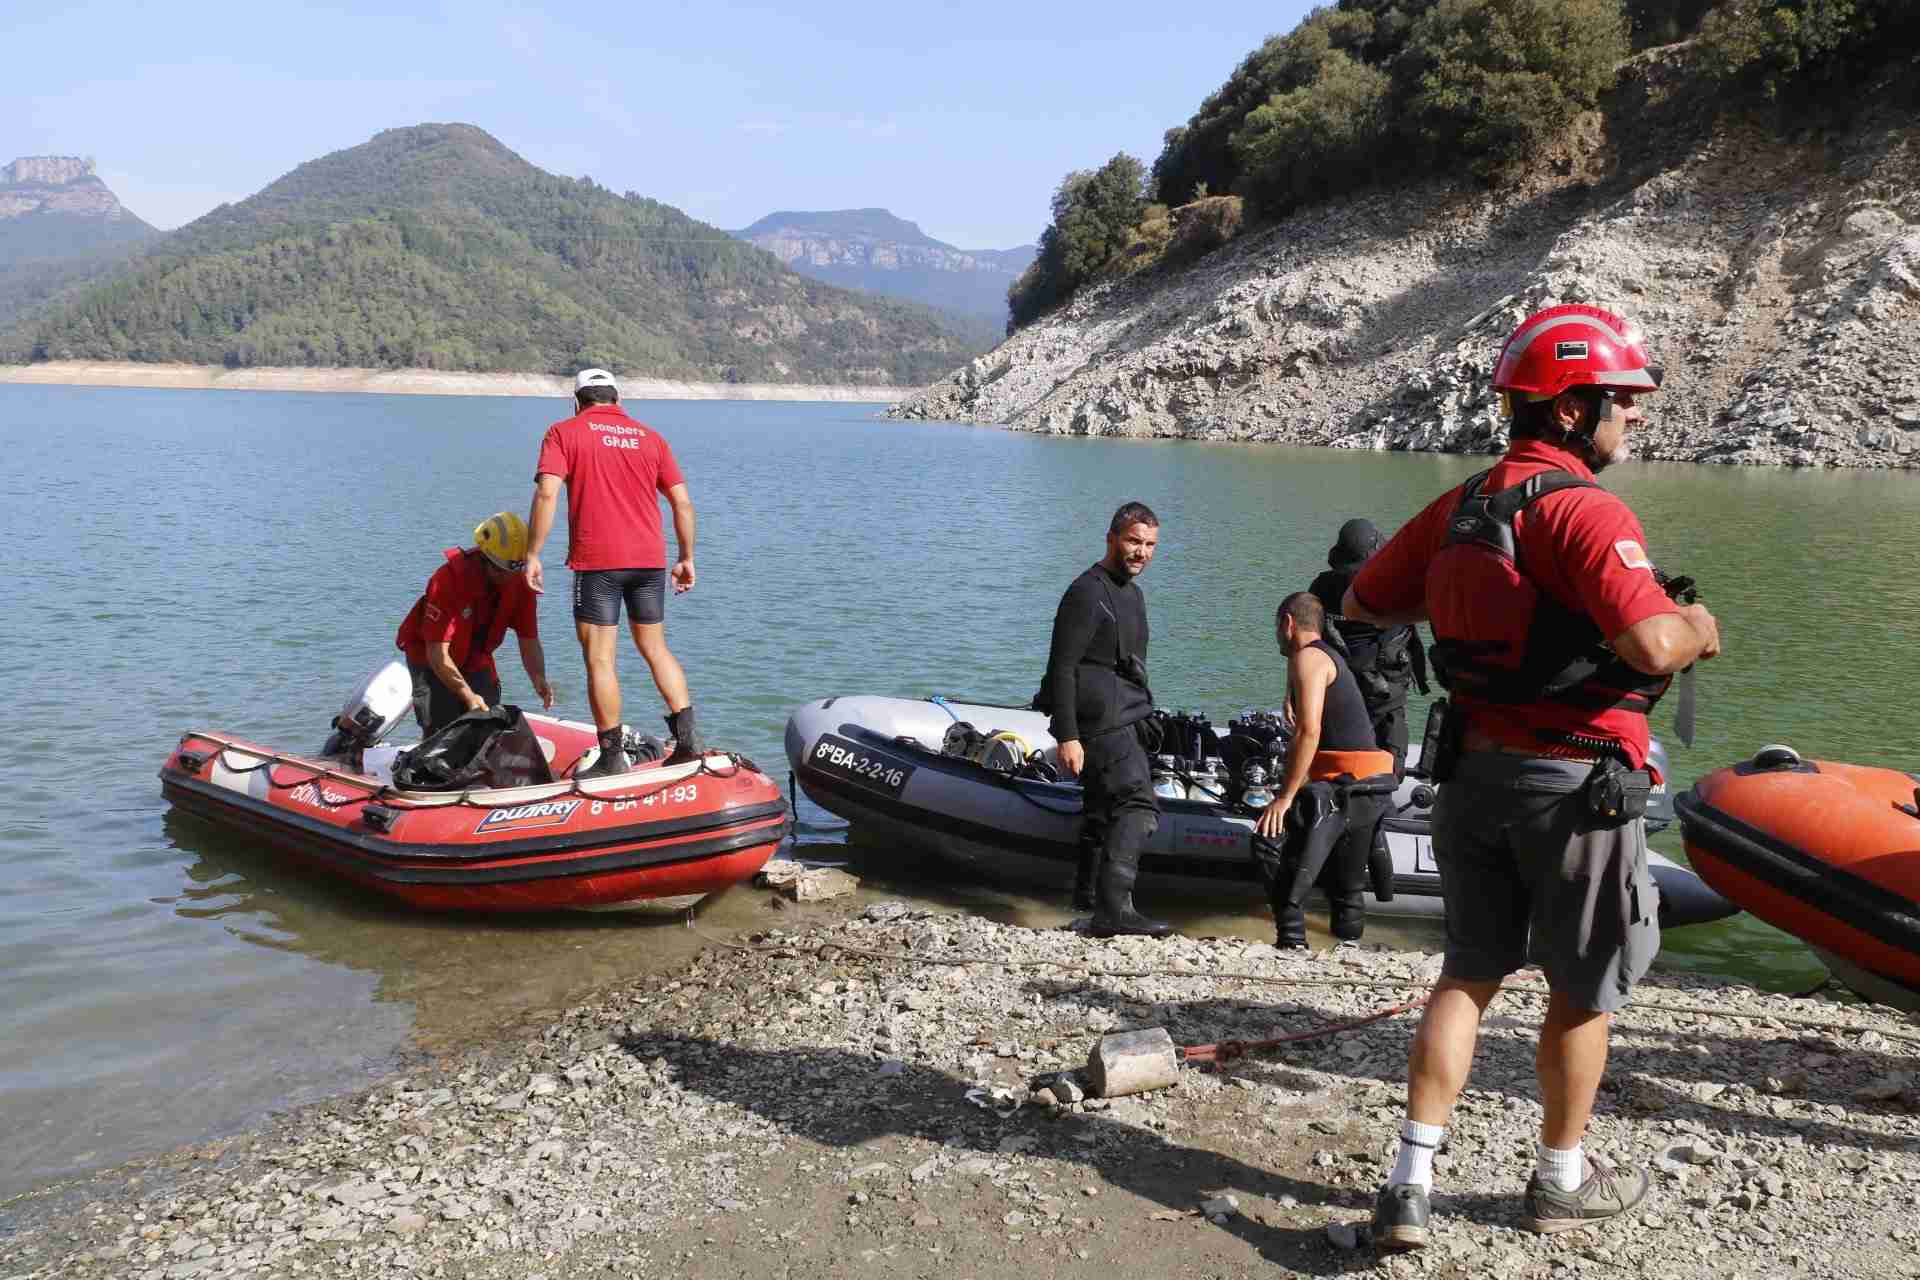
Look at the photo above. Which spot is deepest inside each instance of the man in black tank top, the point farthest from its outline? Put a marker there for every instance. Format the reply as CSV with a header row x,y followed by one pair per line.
x,y
1332,736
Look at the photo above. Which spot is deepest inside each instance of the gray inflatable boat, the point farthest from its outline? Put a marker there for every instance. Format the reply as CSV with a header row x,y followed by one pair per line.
x,y
877,762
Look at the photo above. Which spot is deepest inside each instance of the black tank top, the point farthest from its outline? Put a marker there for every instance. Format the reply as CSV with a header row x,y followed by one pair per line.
x,y
1344,722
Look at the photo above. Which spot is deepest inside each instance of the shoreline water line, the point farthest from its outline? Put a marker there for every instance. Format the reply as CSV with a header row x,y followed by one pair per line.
x,y
426,382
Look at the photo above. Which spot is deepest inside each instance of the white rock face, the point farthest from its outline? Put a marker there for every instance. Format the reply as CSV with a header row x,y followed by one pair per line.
x,y
1780,289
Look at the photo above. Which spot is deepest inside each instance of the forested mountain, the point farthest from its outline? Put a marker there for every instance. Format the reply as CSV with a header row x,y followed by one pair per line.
x,y
59,224
437,247
874,251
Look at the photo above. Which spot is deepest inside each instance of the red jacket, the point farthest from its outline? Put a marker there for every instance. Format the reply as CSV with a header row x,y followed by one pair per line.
x,y
463,609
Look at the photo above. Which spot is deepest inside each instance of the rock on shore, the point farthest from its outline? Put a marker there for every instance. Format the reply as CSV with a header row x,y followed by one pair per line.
x,y
805,1110
1779,282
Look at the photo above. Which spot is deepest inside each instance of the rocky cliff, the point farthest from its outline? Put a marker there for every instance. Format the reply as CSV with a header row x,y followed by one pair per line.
x,y
60,225
872,250
59,185
1779,282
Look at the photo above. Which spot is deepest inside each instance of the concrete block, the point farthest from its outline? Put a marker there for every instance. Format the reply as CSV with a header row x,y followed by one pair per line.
x,y
1132,1062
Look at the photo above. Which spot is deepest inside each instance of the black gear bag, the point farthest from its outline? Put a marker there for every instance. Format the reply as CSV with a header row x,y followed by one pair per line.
x,y
479,751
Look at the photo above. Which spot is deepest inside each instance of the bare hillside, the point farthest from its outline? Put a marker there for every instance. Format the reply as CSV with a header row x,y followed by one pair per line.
x,y
1779,281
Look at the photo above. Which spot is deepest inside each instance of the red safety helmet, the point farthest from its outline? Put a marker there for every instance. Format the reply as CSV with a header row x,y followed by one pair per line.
x,y
1575,346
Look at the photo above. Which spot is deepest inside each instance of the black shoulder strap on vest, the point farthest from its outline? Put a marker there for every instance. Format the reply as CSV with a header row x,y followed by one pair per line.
x,y
1488,518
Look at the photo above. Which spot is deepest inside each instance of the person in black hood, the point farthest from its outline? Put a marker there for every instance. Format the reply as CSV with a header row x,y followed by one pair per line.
x,y
1095,691
1384,660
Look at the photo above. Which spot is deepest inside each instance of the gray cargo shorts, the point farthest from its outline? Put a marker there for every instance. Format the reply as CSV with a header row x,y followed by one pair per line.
x,y
1527,875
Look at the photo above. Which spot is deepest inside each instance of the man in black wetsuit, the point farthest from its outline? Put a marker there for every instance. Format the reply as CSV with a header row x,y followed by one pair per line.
x,y
1332,739
1383,659
1096,692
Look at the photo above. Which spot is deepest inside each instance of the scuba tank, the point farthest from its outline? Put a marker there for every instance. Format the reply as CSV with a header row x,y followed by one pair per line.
x,y
1256,794
1167,783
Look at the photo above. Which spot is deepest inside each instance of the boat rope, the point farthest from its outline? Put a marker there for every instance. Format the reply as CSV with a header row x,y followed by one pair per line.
x,y
940,702
823,949
377,791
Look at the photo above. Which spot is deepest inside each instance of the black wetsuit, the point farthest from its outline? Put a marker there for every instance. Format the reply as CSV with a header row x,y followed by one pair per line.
x,y
1095,692
1345,722
1384,661
1345,725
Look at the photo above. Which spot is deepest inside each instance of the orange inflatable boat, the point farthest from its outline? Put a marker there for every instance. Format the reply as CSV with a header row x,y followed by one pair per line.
x,y
1827,852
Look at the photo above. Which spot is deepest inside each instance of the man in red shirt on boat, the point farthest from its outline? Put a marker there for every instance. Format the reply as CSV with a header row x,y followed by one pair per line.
x,y
1554,638
452,630
615,470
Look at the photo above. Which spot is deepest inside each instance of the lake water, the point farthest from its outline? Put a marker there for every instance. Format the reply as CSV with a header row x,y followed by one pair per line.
x,y
237,561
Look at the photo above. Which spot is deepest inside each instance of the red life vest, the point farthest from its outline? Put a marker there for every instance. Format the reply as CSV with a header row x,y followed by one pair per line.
x,y
1497,636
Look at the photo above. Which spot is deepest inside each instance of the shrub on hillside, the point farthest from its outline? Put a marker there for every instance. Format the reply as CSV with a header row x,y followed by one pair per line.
x,y
1203,226
1202,151
1775,44
1656,22
1146,244
1323,137
1094,216
1489,81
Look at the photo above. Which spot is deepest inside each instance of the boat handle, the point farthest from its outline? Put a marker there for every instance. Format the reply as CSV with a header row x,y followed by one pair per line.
x,y
379,817
193,761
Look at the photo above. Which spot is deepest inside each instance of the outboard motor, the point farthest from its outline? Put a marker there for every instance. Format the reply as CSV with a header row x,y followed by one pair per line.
x,y
381,702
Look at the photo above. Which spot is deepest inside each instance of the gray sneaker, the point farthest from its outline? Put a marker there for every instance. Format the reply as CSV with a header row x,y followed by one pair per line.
x,y
1607,1193
1400,1214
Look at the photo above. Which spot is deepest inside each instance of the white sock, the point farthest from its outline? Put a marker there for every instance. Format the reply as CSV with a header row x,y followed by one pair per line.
x,y
1414,1164
1561,1170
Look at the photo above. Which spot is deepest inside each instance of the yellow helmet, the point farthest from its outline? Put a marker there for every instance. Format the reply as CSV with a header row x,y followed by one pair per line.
x,y
502,539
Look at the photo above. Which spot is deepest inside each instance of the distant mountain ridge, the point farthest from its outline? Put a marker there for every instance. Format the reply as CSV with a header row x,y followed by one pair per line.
x,y
879,252
59,224
437,247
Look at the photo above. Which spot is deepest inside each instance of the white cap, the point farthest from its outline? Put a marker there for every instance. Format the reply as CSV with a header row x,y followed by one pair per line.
x,y
594,378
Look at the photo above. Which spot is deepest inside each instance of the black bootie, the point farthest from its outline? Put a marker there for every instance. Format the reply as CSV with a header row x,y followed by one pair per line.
x,y
1348,917
613,759
1086,877
1289,926
687,746
1115,915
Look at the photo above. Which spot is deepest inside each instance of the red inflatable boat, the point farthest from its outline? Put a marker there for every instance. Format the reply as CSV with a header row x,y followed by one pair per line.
x,y
1827,852
663,837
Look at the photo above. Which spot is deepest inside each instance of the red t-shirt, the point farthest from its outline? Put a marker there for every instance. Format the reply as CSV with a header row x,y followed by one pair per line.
x,y
465,611
615,469
1582,547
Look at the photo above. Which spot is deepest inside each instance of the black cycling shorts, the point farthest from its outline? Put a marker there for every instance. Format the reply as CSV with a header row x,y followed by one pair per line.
x,y
597,594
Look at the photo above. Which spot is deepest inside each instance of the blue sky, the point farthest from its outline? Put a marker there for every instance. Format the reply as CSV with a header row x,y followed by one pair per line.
x,y
961,117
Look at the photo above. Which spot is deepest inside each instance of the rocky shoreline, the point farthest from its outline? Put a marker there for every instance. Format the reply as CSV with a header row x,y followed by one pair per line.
x,y
1777,280
853,1099
412,382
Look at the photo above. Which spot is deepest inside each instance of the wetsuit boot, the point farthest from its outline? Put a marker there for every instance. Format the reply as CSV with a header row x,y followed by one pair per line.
x,y
1115,915
1086,879
1289,925
1348,915
687,746
613,759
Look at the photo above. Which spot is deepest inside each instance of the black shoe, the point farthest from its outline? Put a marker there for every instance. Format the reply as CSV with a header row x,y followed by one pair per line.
x,y
1114,915
610,764
1127,923
613,760
1400,1218
687,746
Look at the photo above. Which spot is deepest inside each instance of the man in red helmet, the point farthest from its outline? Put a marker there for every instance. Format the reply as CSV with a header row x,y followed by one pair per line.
x,y
1554,638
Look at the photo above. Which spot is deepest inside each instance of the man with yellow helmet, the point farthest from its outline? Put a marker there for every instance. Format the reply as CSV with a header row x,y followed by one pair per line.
x,y
452,630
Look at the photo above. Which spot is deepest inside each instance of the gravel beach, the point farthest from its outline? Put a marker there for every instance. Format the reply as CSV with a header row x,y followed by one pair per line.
x,y
789,1106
